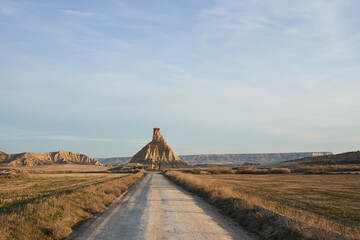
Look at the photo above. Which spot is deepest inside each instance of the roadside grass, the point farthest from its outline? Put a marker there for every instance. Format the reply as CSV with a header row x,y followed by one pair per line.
x,y
55,216
328,202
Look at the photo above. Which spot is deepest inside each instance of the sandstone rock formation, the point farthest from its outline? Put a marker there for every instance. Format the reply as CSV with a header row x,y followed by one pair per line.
x,y
3,156
158,153
35,159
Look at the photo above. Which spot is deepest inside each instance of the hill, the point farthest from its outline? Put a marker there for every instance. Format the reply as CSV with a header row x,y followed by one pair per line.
x,y
114,160
239,159
227,159
157,153
337,159
36,159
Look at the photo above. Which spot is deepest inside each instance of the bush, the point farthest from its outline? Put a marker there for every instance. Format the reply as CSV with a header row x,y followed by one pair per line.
x,y
108,198
61,231
221,170
278,171
95,206
272,170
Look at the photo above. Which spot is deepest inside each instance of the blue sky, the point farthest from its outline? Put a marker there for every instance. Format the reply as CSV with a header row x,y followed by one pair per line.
x,y
227,76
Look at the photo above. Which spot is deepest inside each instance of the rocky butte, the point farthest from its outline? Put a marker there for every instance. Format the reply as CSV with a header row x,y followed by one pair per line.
x,y
35,159
157,154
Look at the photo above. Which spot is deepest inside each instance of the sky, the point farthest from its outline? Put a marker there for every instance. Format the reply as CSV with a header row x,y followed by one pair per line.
x,y
216,76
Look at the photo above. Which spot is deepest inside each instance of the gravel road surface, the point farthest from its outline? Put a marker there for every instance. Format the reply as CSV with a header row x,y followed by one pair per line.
x,y
156,208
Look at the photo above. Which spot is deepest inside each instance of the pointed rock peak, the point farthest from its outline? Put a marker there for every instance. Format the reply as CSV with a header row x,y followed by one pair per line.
x,y
157,137
1,152
157,154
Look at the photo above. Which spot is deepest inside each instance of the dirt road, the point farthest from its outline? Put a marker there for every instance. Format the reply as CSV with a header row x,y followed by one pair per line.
x,y
155,208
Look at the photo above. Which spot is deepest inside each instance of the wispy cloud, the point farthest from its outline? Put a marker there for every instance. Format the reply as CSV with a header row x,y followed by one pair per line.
x,y
8,7
8,134
82,13
303,18
243,17
91,40
148,16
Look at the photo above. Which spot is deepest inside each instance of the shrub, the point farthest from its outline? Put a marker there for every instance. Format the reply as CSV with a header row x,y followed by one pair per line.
x,y
203,173
272,170
247,170
221,170
278,171
95,206
108,198
61,231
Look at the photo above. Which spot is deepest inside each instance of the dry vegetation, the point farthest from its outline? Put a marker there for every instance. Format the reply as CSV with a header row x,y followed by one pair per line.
x,y
303,169
18,188
59,168
49,206
330,202
326,169
13,173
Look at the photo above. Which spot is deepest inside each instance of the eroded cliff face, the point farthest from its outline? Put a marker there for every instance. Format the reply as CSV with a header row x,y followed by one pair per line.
x,y
35,159
3,156
158,152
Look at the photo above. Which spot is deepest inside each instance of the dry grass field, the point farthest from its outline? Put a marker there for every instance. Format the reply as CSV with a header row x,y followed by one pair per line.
x,y
334,196
18,191
331,202
60,168
48,202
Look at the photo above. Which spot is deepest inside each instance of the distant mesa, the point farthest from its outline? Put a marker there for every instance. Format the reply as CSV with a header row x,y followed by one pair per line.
x,y
231,160
237,160
49,158
157,154
329,159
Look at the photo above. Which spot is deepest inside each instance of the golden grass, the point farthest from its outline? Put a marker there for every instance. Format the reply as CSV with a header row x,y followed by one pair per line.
x,y
21,190
14,173
326,169
220,170
330,202
212,170
271,170
287,169
60,168
54,217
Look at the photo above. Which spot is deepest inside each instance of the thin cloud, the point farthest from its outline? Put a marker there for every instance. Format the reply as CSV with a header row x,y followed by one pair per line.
x,y
149,16
23,134
81,14
55,137
83,37
302,18
8,8
232,15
